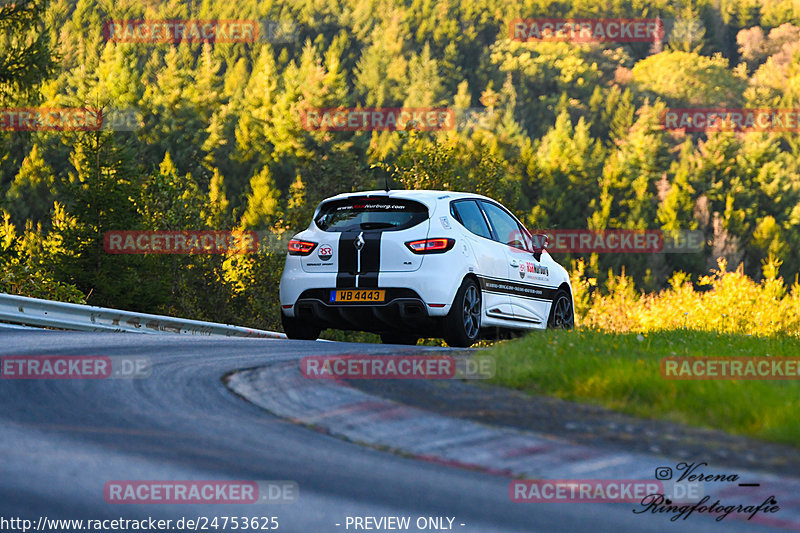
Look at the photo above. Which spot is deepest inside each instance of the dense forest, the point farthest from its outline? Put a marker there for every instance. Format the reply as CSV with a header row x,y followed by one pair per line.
x,y
569,135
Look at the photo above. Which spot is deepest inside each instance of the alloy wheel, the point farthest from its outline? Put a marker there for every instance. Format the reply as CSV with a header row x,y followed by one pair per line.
x,y
472,311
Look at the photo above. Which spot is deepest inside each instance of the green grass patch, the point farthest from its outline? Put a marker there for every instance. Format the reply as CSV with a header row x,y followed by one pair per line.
x,y
621,371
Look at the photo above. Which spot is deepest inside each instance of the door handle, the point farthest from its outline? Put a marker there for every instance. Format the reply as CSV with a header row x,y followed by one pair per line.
x,y
514,264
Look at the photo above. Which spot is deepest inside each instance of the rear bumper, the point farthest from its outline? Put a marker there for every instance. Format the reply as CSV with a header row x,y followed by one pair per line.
x,y
434,285
404,310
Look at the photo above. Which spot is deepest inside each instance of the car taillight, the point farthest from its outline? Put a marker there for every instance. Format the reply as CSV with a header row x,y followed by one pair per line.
x,y
431,246
298,247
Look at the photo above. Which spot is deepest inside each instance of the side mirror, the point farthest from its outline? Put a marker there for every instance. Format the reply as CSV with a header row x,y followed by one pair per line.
x,y
539,243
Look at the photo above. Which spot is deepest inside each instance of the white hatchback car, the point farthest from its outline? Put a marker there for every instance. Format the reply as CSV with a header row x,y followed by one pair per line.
x,y
412,264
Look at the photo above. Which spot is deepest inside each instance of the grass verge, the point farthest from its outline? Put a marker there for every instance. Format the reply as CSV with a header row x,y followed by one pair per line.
x,y
620,371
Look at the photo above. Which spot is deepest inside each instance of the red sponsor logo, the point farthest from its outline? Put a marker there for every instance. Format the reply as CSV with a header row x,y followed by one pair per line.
x,y
380,119
180,242
55,367
738,120
582,490
378,367
587,30
526,267
730,368
325,252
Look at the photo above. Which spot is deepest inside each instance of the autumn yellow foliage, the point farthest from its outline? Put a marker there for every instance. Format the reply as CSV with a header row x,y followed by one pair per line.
x,y
734,303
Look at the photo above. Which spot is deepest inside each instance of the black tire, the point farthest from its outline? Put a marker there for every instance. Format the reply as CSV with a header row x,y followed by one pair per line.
x,y
562,315
298,329
462,325
399,338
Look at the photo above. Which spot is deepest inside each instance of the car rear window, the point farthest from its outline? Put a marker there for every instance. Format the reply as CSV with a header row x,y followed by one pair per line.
x,y
372,213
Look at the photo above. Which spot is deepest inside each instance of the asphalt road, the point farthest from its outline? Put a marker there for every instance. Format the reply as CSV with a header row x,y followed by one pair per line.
x,y
62,440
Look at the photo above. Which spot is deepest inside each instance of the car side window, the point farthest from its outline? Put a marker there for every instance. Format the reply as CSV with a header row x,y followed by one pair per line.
x,y
505,226
469,214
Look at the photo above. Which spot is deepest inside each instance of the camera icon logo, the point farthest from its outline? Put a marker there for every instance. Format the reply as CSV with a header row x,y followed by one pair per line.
x,y
663,473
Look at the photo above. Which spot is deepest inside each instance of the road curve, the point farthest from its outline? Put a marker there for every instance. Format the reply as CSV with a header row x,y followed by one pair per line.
x,y
62,440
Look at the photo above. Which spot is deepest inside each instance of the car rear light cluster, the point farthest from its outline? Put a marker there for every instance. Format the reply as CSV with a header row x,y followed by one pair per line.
x,y
298,247
431,246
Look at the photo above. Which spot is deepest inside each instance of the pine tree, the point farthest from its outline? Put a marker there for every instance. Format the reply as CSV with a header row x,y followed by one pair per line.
x,y
25,53
171,122
32,192
215,214
262,202
170,200
116,84
629,189
563,174
381,71
676,211
688,34
621,116
638,162
425,85
98,198
206,87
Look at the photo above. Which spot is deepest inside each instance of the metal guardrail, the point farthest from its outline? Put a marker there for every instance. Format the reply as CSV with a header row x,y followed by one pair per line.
x,y
4,326
46,313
